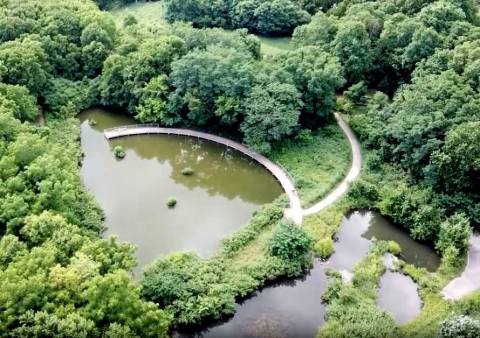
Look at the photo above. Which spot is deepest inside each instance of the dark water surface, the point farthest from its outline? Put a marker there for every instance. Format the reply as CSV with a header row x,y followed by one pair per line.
x,y
220,197
293,308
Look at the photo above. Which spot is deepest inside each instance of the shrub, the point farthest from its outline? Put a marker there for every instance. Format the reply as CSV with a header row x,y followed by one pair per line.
x,y
187,171
92,122
171,202
119,152
460,326
394,248
129,20
455,231
357,93
363,194
451,260
269,215
344,105
289,242
324,248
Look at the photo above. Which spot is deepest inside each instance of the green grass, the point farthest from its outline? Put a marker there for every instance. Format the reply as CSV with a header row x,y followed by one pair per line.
x,y
317,163
273,45
153,14
146,13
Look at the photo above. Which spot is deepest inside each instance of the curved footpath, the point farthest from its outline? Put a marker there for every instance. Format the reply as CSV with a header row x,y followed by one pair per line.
x,y
352,175
295,211
469,280
466,283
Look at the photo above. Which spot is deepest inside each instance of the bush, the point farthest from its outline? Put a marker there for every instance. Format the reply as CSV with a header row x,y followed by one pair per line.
x,y
129,20
451,261
363,194
460,326
394,248
357,93
455,231
324,248
187,171
269,214
119,152
171,202
289,242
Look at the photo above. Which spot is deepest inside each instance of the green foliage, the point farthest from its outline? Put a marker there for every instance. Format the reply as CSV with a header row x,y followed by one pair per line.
x,y
107,4
26,64
214,89
456,232
193,289
351,307
456,166
18,100
10,249
352,46
269,214
119,152
460,326
323,248
188,171
317,75
57,277
278,17
363,193
272,112
289,242
357,93
171,202
394,248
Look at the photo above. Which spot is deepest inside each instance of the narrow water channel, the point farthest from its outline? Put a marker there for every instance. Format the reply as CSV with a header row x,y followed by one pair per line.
x,y
221,195
293,308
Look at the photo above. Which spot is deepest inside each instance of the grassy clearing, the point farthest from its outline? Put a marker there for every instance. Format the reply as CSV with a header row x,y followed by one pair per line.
x,y
153,14
274,45
146,13
317,163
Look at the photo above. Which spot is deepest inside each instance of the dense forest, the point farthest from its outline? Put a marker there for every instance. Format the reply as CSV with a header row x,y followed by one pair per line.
x,y
405,74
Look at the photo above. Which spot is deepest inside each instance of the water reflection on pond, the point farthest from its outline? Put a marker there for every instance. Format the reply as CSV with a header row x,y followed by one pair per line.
x,y
221,195
293,308
398,295
413,252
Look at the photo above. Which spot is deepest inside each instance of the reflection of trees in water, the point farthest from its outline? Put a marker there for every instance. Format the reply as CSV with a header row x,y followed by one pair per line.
x,y
413,252
217,170
105,119
267,325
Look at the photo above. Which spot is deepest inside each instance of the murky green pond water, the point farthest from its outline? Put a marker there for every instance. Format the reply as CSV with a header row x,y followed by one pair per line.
x,y
221,195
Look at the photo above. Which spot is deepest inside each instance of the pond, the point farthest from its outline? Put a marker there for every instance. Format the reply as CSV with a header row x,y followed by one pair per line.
x,y
293,308
398,295
221,195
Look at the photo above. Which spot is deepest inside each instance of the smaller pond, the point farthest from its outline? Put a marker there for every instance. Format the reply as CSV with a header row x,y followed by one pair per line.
x,y
413,252
398,295
293,308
